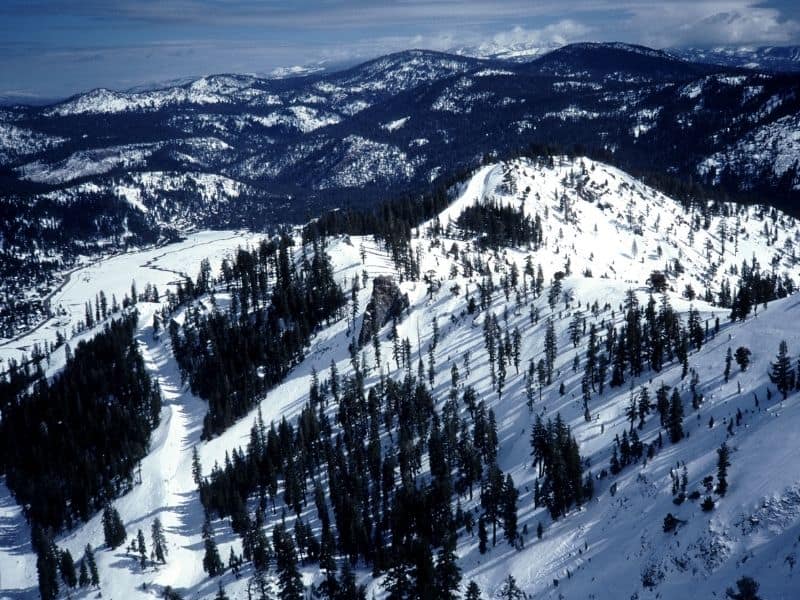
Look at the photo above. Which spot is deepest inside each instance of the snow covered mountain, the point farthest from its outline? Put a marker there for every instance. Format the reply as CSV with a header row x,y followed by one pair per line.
x,y
767,58
596,233
106,171
278,134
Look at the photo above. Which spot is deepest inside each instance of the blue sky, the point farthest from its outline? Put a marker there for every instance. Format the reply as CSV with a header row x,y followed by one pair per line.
x,y
53,48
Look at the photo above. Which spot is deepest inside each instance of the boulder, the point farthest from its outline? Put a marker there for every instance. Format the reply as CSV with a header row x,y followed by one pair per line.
x,y
386,303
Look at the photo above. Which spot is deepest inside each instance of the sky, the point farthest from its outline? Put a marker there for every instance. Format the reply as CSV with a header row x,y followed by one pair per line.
x,y
54,48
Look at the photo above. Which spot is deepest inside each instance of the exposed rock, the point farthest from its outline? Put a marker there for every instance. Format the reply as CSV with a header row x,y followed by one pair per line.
x,y
385,304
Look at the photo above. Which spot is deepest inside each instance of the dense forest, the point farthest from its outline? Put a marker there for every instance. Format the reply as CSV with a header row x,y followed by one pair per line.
x,y
95,416
230,357
497,225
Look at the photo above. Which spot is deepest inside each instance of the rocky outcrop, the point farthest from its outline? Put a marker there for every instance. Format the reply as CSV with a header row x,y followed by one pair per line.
x,y
386,303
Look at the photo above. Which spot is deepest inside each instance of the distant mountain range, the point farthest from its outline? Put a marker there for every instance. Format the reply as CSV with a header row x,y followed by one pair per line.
x,y
770,58
107,168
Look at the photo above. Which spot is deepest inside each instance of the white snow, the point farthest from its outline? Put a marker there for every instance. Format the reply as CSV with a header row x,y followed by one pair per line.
x,y
394,125
88,162
600,550
219,89
364,161
774,147
16,142
303,118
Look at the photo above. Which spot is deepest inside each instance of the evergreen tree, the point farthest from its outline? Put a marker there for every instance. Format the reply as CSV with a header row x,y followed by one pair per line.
x,y
483,535
289,582
473,591
675,420
348,587
67,567
728,359
47,563
83,577
398,583
492,498
510,589
447,575
92,564
142,549
550,349
509,510
158,541
113,528
197,469
212,563
746,589
742,357
781,371
723,462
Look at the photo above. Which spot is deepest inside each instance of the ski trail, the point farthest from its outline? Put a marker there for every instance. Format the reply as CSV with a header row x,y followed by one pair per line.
x,y
167,472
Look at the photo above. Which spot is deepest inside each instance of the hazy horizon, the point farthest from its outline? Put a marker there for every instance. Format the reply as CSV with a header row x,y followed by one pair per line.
x,y
51,49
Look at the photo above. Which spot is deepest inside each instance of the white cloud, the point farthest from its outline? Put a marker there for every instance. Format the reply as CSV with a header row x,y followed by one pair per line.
x,y
562,32
708,23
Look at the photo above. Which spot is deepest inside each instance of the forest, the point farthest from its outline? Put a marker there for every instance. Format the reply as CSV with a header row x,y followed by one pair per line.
x,y
96,416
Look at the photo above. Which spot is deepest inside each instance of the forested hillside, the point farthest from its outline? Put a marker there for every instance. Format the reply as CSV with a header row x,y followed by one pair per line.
x,y
489,399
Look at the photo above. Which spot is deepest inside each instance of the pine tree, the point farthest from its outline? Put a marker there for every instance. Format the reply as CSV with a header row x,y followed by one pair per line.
x,y
728,359
644,405
397,582
67,567
662,403
142,549
631,411
447,574
510,589
723,462
492,497
113,528
233,563
483,535
742,357
289,582
212,563
83,577
347,586
158,541
47,563
197,469
509,510
746,589
781,371
93,574
550,349
675,420
473,591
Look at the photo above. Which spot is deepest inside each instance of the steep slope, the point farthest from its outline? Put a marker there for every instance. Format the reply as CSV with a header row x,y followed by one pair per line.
x,y
614,232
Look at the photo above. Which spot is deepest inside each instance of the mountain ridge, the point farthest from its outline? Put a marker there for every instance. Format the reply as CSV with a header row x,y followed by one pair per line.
x,y
757,518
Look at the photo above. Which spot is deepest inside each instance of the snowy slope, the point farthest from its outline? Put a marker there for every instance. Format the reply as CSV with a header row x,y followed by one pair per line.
x,y
18,141
86,163
772,148
599,551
